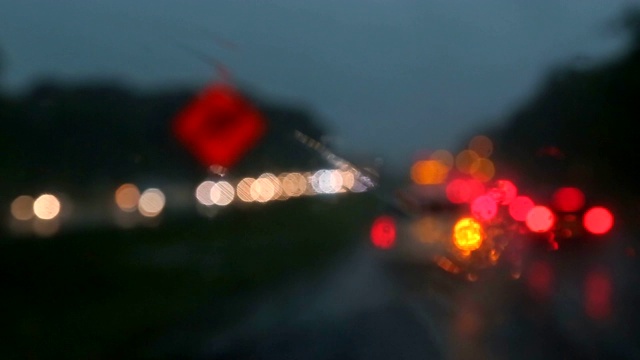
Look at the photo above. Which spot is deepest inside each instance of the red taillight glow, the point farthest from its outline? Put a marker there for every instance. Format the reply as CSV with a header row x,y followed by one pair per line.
x,y
540,280
520,207
383,232
476,188
508,191
484,208
540,219
598,220
458,191
598,291
568,199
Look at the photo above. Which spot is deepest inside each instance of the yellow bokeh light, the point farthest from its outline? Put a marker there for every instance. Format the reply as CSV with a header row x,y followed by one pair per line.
x,y
481,145
468,234
46,207
465,160
151,202
262,190
429,172
243,189
444,157
127,197
22,208
222,193
482,169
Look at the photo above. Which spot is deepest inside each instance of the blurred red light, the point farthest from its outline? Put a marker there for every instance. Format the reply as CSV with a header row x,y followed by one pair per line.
x,y
519,207
220,126
540,280
598,220
458,191
383,232
508,191
568,199
540,219
484,208
598,291
476,188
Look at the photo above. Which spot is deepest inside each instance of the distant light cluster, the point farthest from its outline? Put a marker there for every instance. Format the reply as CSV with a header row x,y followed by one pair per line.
x,y
41,215
45,207
269,187
149,204
473,161
491,212
467,179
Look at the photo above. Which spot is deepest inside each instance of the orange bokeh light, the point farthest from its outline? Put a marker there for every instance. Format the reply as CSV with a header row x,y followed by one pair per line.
x,y
429,172
294,184
262,190
468,234
127,197
447,265
444,157
243,189
482,169
22,208
465,160
481,145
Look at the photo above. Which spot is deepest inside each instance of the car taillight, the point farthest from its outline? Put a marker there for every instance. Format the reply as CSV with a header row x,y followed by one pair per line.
x,y
383,232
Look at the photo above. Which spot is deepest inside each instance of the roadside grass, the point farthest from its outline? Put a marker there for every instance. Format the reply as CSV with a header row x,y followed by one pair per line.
x,y
107,292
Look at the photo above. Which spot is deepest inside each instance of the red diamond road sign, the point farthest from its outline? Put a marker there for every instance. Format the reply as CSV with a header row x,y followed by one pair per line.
x,y
219,126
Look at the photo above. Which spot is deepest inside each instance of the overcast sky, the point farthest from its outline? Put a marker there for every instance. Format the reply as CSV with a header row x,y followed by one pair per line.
x,y
389,76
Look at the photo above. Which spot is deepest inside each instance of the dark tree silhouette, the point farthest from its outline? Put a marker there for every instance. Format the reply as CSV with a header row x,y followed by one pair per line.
x,y
75,137
580,128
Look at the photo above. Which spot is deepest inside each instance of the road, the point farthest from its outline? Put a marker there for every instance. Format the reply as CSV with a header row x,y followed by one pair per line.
x,y
352,311
366,306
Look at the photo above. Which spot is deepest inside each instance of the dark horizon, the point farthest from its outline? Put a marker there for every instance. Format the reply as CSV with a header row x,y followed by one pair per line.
x,y
390,79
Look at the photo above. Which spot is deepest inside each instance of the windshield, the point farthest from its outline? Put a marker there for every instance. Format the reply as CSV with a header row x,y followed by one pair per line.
x,y
319,179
